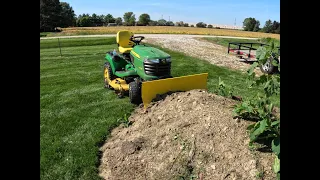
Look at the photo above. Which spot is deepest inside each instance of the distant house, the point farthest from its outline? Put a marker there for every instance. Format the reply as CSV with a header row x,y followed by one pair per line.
x,y
111,24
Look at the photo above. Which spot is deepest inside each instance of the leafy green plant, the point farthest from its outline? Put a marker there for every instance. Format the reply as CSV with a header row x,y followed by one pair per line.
x,y
266,130
276,167
276,150
188,177
260,175
268,53
222,90
255,109
125,121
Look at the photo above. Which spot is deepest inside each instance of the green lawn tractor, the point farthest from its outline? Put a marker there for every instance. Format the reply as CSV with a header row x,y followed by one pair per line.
x,y
142,71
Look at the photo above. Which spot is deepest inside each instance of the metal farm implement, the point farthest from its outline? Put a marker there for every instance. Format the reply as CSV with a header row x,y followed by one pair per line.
x,y
247,53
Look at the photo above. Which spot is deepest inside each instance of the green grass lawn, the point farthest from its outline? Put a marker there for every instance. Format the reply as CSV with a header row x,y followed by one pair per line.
x,y
77,113
73,42
44,34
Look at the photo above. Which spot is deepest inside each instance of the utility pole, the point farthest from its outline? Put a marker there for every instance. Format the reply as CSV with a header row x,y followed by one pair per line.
x,y
162,16
169,18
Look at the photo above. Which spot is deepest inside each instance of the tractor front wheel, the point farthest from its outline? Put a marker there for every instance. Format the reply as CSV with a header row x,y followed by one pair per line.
x,y
135,92
107,75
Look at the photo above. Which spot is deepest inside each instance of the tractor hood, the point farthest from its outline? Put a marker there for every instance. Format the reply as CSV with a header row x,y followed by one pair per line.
x,y
148,52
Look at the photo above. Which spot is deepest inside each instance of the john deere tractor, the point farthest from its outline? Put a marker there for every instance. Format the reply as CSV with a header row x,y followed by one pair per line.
x,y
143,71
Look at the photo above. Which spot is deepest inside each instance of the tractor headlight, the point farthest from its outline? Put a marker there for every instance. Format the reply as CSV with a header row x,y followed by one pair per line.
x,y
153,60
168,59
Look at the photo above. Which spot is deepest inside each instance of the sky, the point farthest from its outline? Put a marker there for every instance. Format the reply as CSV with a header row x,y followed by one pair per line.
x,y
222,12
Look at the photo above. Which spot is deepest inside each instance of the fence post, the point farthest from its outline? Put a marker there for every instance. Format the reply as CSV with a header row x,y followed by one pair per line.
x,y
59,47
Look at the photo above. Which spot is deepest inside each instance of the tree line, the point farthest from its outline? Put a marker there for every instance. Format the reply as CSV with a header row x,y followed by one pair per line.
x,y
251,24
129,19
54,13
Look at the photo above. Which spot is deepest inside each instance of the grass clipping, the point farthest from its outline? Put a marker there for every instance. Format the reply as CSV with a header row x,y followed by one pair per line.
x,y
187,135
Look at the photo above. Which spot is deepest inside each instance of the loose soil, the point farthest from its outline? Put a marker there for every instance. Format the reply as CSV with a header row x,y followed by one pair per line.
x,y
187,134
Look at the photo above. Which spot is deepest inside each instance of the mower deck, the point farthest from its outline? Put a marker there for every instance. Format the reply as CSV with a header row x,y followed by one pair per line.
x,y
119,84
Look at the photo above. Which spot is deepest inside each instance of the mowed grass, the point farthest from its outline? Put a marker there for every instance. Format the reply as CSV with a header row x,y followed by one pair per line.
x,y
77,113
44,34
162,30
225,41
73,42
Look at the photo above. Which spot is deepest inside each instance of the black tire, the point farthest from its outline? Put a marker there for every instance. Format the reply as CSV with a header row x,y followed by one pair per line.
x,y
268,67
107,69
135,93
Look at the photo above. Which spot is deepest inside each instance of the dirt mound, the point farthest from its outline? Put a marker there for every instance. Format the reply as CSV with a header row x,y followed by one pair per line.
x,y
188,134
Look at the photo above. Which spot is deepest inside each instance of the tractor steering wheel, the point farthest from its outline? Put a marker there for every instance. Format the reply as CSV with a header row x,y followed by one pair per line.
x,y
136,39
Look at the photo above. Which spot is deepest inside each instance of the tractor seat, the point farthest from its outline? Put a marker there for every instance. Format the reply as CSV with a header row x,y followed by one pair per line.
x,y
124,42
124,50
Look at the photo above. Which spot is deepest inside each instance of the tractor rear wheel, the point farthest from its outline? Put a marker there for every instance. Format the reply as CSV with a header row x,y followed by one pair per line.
x,y
107,75
135,92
